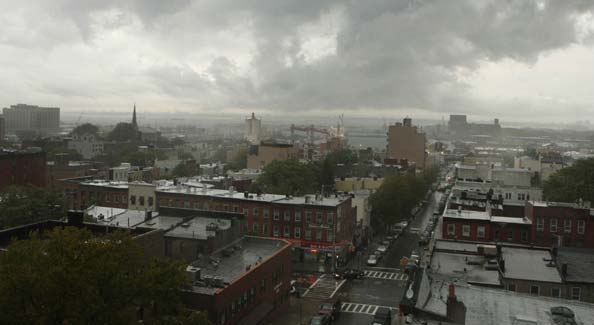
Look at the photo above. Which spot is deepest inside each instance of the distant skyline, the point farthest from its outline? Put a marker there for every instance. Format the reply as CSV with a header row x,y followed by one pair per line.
x,y
514,60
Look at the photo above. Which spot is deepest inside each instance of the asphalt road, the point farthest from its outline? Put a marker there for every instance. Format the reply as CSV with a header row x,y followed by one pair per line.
x,y
384,284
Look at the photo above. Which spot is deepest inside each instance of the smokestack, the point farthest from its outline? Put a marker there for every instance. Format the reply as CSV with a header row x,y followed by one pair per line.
x,y
456,311
452,291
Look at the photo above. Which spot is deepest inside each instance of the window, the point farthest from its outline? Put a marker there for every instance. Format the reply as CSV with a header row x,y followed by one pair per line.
x,y
236,208
287,215
576,293
319,218
553,225
319,235
511,287
535,290
124,199
510,235
297,232
275,231
266,213
141,200
246,211
133,199
330,236
255,227
116,199
496,234
508,196
226,207
256,212
521,196
540,224
466,230
308,217
187,204
451,229
524,236
330,218
556,292
480,231
581,226
107,197
276,214
307,234
297,216
150,201
567,225
264,229
287,232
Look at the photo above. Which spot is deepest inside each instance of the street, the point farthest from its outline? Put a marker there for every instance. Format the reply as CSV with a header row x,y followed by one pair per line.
x,y
382,286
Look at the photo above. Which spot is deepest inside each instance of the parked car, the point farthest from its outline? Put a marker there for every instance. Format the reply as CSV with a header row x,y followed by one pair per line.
x,y
349,274
372,260
330,308
378,254
382,249
386,243
390,238
383,316
320,320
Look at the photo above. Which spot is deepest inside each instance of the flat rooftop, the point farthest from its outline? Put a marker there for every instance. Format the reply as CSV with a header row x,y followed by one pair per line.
x,y
488,306
529,264
118,217
244,255
199,228
103,183
463,268
580,264
467,214
161,222
275,198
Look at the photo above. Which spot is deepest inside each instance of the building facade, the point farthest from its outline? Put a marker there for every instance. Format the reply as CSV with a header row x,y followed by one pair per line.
x,y
406,142
21,168
88,145
2,128
561,224
253,129
263,154
22,117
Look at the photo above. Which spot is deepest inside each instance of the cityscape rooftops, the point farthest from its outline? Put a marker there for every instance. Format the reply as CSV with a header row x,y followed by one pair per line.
x,y
118,217
467,214
471,268
199,228
162,222
232,262
580,264
104,183
529,264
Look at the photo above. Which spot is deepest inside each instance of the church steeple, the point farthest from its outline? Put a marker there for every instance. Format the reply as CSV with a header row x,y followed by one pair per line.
x,y
134,124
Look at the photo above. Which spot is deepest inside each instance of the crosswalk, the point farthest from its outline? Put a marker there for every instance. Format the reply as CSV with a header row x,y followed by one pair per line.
x,y
386,275
351,307
324,288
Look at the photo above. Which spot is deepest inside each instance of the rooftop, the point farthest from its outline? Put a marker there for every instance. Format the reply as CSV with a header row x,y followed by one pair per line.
x,y
472,269
466,214
199,228
529,264
162,222
488,306
580,264
235,260
105,183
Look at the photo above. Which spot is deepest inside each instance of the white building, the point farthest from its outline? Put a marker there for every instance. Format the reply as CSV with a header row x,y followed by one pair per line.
x,y
542,168
252,129
86,144
120,173
141,196
22,117
510,176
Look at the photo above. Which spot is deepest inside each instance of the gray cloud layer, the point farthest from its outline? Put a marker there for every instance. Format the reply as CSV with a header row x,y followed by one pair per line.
x,y
260,54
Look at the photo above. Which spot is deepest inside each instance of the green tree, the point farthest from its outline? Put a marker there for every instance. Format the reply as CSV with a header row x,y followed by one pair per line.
x,y
181,170
123,132
572,183
26,204
396,197
86,128
288,177
69,276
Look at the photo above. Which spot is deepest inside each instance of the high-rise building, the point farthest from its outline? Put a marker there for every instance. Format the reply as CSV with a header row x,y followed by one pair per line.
x,y
22,117
405,142
252,129
2,128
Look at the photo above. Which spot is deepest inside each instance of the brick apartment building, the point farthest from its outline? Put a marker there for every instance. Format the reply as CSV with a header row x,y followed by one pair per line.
x,y
83,192
565,224
481,226
405,141
26,167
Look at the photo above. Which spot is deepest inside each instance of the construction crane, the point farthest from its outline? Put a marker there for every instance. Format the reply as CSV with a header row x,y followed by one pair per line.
x,y
310,130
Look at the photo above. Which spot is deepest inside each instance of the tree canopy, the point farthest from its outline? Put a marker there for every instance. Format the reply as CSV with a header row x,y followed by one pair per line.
x,y
288,177
572,183
123,132
69,276
86,128
26,204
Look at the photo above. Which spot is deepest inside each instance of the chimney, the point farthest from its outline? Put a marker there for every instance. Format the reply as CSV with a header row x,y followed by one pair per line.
x,y
75,218
147,215
246,194
456,311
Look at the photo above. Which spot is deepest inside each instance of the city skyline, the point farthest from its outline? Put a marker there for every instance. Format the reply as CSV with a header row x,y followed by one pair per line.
x,y
512,60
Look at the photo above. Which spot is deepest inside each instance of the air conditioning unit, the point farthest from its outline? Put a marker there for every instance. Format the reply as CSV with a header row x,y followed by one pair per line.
x,y
193,273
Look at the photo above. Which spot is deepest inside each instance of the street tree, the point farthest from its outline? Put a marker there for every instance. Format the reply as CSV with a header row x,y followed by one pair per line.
x,y
26,204
288,177
70,276
571,184
86,128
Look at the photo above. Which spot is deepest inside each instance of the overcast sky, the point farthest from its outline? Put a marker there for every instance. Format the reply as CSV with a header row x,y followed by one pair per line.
x,y
509,59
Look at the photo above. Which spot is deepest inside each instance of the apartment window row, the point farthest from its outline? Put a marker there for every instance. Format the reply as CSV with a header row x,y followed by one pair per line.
x,y
141,200
566,224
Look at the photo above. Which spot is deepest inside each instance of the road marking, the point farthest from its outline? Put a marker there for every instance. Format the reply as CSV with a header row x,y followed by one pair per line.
x,y
337,287
351,307
385,268
386,275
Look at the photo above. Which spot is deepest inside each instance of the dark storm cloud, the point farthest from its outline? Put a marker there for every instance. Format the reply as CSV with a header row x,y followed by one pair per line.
x,y
388,53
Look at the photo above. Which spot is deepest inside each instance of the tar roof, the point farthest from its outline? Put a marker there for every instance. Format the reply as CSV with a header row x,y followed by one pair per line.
x,y
466,214
245,254
465,268
199,228
488,306
529,264
161,222
580,264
